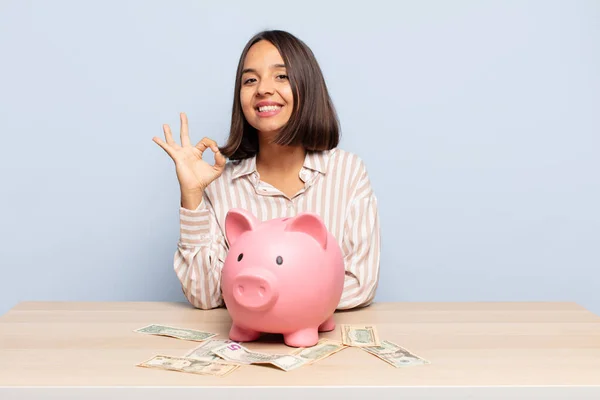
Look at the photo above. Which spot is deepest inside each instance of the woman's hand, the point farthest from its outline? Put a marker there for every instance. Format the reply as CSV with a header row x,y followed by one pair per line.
x,y
194,174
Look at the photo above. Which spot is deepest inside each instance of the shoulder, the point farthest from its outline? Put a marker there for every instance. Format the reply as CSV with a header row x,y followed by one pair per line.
x,y
352,170
339,158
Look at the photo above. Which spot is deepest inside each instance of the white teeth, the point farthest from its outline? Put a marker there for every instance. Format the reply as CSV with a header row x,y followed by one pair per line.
x,y
268,108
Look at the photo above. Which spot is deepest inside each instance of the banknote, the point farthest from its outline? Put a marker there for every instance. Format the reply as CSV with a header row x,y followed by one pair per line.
x,y
360,335
203,352
189,365
179,333
395,355
237,353
323,349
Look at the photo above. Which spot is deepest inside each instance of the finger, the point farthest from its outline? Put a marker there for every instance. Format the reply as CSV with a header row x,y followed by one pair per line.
x,y
201,146
168,135
184,133
164,146
206,143
209,142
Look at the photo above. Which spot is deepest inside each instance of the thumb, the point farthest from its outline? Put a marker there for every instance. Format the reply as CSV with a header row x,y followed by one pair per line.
x,y
220,159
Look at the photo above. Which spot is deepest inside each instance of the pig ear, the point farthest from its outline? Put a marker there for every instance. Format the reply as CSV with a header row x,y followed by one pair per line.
x,y
237,222
310,224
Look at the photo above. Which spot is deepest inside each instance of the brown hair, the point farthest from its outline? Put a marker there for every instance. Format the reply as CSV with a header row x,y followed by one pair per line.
x,y
313,123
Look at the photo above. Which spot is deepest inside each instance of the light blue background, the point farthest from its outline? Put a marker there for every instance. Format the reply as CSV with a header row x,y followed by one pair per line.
x,y
479,123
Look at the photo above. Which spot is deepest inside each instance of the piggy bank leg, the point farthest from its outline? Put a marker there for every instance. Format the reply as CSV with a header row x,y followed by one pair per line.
x,y
328,325
239,334
303,338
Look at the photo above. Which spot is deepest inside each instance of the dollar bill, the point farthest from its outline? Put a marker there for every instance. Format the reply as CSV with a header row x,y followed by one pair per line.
x,y
323,349
237,353
179,333
189,365
360,335
204,351
395,355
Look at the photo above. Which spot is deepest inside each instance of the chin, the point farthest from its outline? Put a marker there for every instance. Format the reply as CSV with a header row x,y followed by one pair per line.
x,y
269,128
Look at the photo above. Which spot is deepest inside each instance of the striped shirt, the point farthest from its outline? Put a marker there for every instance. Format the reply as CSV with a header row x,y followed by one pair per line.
x,y
336,187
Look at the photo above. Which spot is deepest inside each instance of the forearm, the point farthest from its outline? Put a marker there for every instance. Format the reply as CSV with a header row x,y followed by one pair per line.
x,y
357,293
199,257
199,270
362,250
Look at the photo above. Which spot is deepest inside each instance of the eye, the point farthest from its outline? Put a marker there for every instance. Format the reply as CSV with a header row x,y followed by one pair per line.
x,y
282,76
240,256
279,260
247,81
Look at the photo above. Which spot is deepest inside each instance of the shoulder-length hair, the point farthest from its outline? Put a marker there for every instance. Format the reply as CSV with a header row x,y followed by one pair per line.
x,y
313,122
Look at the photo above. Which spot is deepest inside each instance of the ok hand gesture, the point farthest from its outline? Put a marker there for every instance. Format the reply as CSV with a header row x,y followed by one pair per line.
x,y
194,174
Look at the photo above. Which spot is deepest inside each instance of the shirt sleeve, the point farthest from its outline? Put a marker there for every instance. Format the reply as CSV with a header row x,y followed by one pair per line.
x,y
200,255
361,245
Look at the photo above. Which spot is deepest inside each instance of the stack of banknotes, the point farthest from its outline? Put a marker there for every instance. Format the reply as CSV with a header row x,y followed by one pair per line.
x,y
220,357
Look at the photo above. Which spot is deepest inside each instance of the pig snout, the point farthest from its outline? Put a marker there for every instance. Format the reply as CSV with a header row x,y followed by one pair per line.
x,y
255,289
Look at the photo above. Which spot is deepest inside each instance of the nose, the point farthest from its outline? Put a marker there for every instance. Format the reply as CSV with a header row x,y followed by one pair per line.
x,y
265,86
255,289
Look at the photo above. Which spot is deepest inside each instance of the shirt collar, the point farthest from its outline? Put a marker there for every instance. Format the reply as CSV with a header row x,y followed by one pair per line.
x,y
314,160
243,167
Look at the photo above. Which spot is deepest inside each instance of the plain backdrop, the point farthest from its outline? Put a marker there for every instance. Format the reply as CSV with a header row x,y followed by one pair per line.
x,y
479,123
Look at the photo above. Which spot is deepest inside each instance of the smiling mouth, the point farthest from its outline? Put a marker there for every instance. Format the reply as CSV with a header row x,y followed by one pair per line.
x,y
268,111
268,108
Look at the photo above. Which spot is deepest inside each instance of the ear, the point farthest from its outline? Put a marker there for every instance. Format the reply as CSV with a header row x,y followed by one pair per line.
x,y
310,224
238,221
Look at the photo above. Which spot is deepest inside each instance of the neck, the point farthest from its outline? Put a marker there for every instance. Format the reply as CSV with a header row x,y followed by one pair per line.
x,y
275,158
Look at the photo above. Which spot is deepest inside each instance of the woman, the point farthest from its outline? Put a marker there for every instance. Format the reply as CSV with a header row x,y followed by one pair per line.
x,y
284,160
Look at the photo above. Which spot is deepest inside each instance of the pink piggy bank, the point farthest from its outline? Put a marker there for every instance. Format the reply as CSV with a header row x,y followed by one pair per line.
x,y
284,276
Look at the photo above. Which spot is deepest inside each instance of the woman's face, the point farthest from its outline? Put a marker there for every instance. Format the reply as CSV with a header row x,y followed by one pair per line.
x,y
265,94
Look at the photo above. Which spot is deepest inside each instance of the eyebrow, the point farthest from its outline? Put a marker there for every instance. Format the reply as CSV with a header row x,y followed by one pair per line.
x,y
274,66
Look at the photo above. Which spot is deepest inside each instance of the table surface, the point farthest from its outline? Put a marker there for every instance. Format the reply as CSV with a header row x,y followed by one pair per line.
x,y
468,344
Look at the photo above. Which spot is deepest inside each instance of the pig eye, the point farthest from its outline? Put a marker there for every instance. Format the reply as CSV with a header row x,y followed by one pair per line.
x,y
279,260
240,256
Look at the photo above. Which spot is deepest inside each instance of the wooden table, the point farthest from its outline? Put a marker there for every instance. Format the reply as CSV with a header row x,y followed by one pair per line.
x,y
477,350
